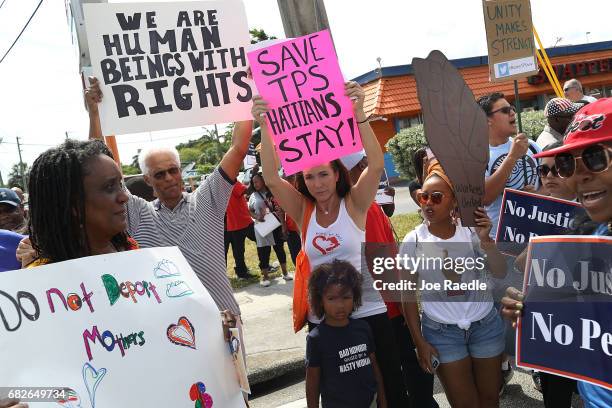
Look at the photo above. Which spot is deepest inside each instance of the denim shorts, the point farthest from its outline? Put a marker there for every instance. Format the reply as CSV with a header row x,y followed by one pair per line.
x,y
484,338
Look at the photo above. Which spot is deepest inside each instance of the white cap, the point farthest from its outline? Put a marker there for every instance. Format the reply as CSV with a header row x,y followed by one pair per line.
x,y
352,159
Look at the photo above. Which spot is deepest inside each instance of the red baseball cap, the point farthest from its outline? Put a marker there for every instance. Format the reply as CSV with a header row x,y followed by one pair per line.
x,y
591,125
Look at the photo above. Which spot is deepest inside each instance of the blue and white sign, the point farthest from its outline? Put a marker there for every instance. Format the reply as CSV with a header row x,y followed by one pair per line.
x,y
566,328
524,215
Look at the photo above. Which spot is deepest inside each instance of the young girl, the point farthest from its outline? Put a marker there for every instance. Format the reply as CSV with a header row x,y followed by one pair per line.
x,y
340,361
460,327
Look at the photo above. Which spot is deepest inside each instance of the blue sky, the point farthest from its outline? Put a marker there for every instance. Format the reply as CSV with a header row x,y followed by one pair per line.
x,y
40,88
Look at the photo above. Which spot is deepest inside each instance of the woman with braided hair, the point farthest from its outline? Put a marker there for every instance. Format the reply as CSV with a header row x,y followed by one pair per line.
x,y
77,203
77,208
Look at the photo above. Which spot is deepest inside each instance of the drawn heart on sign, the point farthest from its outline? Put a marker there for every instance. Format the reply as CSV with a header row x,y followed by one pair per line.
x,y
324,244
182,333
92,378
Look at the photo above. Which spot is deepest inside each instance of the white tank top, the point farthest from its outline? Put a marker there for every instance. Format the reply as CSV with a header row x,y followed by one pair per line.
x,y
342,240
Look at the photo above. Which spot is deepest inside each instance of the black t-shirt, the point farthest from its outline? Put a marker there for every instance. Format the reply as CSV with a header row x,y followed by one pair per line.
x,y
343,354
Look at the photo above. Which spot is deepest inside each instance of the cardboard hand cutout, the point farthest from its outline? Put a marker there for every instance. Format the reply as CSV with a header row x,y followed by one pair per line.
x,y
456,129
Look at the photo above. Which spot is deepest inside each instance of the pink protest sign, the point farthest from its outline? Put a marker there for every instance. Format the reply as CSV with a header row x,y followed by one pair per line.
x,y
310,118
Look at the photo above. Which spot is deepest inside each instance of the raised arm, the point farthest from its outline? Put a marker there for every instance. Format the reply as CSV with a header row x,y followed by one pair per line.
x,y
287,196
232,160
93,96
364,191
495,184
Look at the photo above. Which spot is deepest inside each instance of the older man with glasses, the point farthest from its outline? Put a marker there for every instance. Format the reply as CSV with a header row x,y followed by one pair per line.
x,y
559,113
573,91
192,221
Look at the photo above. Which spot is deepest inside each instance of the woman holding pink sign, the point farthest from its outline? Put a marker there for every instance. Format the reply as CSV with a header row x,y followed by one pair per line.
x,y
332,215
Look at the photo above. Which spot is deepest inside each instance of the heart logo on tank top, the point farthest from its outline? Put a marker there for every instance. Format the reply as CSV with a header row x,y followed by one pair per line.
x,y
325,244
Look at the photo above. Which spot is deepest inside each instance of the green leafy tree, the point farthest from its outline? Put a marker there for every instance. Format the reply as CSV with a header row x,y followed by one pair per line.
x,y
14,176
205,168
533,123
189,154
403,145
258,35
129,170
208,150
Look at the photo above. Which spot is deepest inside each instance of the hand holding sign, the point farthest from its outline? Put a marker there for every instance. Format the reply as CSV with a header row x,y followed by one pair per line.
x,y
93,95
520,144
566,309
483,225
357,95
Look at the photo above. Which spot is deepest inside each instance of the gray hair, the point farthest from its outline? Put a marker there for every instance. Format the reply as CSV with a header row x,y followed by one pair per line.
x,y
147,152
573,83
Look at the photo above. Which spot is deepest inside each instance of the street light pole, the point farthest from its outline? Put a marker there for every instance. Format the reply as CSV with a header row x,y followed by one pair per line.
x,y
302,17
21,169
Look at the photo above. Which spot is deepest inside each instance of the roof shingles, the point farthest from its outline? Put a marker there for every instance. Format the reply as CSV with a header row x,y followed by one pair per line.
x,y
397,96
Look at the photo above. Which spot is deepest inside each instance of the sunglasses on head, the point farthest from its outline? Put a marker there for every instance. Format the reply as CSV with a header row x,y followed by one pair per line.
x,y
596,159
505,110
173,171
436,197
544,169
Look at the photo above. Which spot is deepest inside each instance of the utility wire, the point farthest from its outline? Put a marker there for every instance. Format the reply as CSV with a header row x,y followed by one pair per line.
x,y
2,3
22,30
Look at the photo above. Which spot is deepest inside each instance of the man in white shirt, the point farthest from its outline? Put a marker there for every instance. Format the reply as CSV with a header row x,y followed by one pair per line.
x,y
573,91
511,162
559,112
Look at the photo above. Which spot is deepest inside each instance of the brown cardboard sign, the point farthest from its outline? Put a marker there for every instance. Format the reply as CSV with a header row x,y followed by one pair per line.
x,y
509,39
456,129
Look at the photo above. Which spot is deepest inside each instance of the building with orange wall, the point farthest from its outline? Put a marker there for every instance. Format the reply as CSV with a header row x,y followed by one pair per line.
x,y
391,94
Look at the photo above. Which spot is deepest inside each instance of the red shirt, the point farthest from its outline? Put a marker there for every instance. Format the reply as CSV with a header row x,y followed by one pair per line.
x,y
237,212
378,229
291,225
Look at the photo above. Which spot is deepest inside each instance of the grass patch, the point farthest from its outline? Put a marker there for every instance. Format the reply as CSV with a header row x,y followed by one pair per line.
x,y
402,224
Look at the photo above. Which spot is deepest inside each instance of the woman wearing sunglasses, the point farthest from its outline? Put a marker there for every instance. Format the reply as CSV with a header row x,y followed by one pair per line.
x,y
556,186
460,327
584,161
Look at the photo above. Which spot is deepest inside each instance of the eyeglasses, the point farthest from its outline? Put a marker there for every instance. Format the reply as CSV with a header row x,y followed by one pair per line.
x,y
505,110
567,89
544,169
596,159
436,197
173,171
